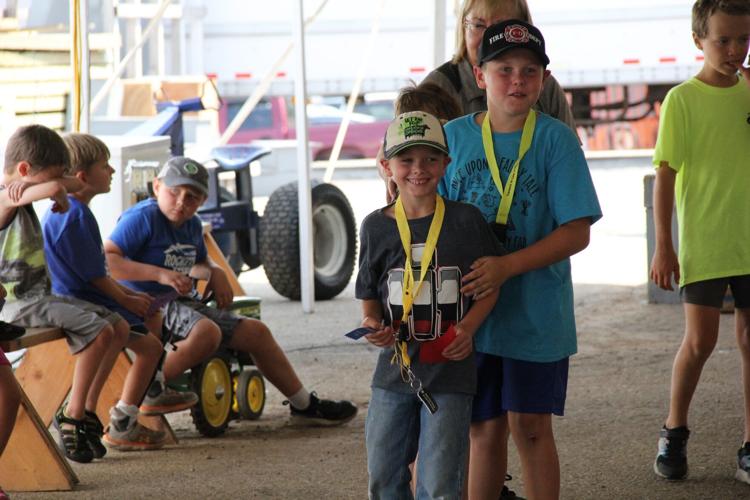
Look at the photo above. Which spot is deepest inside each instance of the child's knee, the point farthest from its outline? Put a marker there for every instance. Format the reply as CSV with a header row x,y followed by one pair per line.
x,y
206,334
147,346
121,334
530,426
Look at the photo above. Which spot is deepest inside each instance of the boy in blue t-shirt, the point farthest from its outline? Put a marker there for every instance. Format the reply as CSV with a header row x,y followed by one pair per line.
x,y
157,246
75,259
543,216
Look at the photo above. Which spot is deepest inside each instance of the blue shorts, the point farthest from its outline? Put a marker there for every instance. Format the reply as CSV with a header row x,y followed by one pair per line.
x,y
505,384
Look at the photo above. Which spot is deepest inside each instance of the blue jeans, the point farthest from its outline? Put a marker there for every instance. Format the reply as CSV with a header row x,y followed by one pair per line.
x,y
397,426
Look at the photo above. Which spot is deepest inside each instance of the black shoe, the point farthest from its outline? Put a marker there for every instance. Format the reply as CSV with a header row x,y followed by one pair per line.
x,y
671,460
94,432
324,411
73,438
743,464
507,493
9,331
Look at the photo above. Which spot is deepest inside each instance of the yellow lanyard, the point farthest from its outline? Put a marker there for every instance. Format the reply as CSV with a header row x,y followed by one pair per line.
x,y
409,291
510,187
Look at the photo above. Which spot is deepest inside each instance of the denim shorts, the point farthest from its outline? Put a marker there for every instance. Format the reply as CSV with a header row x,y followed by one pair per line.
x,y
505,384
711,292
398,425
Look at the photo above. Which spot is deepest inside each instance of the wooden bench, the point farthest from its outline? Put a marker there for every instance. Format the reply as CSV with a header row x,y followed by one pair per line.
x,y
32,461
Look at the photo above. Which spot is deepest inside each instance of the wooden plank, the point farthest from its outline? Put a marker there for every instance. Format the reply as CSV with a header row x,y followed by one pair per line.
x,y
48,73
32,337
31,40
214,253
36,88
40,104
25,58
54,121
46,375
32,460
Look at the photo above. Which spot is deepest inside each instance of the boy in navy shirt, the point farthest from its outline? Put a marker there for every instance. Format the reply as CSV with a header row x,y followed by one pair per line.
x,y
75,258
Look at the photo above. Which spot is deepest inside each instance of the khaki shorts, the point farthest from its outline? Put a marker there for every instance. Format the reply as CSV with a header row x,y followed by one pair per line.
x,y
81,321
181,315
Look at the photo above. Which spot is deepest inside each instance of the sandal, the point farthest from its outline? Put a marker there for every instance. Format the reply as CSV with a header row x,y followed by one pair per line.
x,y
73,438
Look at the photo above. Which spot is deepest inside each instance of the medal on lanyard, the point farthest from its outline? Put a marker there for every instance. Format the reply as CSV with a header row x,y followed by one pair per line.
x,y
410,291
500,226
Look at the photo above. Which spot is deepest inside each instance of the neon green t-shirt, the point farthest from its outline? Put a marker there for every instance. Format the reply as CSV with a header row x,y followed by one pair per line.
x,y
704,135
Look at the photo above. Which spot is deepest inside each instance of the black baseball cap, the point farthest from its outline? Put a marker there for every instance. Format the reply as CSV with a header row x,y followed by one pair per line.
x,y
183,171
512,34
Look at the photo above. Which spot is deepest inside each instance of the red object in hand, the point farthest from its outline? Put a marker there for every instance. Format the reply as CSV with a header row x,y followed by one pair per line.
x,y
432,351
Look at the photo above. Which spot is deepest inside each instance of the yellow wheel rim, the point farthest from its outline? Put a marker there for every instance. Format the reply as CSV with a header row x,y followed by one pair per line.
x,y
256,394
216,392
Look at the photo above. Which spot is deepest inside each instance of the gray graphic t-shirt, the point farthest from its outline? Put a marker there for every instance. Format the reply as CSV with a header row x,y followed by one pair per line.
x,y
23,271
465,236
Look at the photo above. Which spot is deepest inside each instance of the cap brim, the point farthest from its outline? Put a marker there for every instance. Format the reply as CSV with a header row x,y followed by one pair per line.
x,y
184,181
542,56
397,149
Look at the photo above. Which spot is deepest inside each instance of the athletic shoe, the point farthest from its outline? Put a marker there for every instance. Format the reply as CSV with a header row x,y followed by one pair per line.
x,y
163,399
123,437
507,493
743,464
671,460
94,432
323,412
73,440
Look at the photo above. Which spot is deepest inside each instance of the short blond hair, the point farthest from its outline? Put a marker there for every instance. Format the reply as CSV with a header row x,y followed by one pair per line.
x,y
518,9
704,9
85,150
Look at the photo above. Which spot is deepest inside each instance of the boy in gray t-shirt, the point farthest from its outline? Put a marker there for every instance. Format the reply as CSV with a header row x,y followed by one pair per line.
x,y
415,251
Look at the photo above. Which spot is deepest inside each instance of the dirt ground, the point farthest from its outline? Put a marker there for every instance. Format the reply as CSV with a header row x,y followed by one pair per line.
x,y
617,396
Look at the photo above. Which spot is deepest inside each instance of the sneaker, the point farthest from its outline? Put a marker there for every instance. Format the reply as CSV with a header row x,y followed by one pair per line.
x,y
94,432
163,399
124,437
324,411
507,493
743,464
73,437
671,460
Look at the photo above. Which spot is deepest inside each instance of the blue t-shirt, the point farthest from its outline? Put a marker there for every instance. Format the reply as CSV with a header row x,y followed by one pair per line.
x,y
533,318
145,235
74,252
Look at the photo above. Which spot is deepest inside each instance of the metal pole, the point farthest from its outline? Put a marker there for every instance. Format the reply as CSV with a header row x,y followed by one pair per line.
x,y
85,68
438,33
307,270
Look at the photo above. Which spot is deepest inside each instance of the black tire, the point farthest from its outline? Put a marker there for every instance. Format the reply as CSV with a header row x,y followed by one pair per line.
x,y
251,394
334,237
212,382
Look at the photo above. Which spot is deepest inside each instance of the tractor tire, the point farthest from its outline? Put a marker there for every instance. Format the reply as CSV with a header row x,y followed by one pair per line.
x,y
251,394
212,382
334,241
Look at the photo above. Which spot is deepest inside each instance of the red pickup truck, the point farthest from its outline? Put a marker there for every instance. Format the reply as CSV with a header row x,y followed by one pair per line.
x,y
273,118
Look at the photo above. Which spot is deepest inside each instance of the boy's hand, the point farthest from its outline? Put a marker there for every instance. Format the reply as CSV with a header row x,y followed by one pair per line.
x,y
664,266
462,346
60,203
382,336
219,284
181,283
15,189
487,274
138,304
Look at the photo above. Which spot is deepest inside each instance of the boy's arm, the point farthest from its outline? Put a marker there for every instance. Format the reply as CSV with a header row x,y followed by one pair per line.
x,y
70,183
463,344
217,281
137,304
664,264
372,317
489,273
53,190
123,268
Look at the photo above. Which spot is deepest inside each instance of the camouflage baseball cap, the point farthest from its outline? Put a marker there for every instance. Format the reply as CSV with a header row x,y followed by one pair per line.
x,y
183,171
412,129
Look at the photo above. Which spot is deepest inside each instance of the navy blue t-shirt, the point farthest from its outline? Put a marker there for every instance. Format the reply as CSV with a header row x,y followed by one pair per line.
x,y
145,235
74,252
